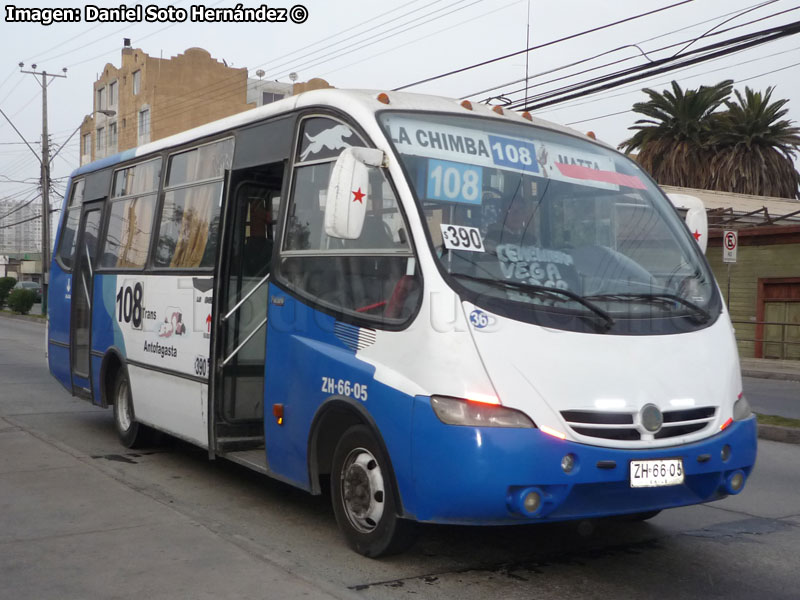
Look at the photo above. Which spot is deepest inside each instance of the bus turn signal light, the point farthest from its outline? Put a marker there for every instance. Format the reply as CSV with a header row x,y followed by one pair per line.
x,y
553,432
277,411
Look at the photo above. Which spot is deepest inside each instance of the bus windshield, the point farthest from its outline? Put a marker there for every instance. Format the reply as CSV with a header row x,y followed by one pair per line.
x,y
523,217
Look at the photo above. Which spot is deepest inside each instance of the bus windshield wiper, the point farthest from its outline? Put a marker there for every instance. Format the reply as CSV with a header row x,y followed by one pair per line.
x,y
532,289
662,298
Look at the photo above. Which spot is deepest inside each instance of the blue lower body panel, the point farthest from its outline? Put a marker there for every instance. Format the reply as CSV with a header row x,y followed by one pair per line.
x,y
474,475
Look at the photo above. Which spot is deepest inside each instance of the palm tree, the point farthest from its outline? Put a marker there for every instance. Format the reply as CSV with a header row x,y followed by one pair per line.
x,y
755,147
674,143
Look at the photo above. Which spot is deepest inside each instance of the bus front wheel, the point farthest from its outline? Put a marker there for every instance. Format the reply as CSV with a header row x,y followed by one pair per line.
x,y
363,493
131,433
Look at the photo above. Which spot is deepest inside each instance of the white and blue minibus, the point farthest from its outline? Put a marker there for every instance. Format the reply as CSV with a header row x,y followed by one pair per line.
x,y
455,313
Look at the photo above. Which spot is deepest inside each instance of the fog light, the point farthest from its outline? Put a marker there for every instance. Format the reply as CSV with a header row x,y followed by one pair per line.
x,y
725,454
568,463
532,502
735,482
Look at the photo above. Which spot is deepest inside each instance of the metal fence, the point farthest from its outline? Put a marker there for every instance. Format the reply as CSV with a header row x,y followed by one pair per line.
x,y
784,344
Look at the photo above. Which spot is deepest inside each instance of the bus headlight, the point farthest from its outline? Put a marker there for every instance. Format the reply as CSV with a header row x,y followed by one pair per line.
x,y
458,411
741,408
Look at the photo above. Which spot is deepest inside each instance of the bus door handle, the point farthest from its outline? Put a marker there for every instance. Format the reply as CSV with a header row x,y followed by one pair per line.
x,y
247,339
86,291
243,300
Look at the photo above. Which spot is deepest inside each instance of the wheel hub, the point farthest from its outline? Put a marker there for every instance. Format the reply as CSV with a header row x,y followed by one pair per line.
x,y
124,409
362,490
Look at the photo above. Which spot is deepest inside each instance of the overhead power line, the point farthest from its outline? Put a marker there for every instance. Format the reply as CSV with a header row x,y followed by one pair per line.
x,y
558,41
665,65
21,222
609,64
20,207
622,112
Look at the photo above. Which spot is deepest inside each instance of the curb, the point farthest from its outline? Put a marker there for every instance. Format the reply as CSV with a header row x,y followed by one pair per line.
x,y
28,318
776,433
771,375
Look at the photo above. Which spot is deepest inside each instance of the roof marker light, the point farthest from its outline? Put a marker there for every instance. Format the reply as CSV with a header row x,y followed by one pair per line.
x,y
527,115
467,104
498,110
553,432
383,98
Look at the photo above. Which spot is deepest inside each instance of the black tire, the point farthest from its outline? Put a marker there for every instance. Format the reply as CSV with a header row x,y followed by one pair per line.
x,y
131,433
363,496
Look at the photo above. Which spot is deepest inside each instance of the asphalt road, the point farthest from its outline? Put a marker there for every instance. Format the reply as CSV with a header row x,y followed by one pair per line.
x,y
81,517
773,396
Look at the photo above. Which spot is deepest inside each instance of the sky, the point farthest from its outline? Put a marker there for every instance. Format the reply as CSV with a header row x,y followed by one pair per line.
x,y
387,44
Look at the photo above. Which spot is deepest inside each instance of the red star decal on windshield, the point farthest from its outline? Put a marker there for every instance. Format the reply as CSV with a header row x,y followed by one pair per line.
x,y
696,235
359,196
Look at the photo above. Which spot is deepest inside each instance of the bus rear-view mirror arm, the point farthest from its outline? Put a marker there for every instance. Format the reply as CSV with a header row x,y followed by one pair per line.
x,y
348,189
696,218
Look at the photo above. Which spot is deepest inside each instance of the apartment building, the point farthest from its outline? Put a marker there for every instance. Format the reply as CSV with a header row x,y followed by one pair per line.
x,y
148,98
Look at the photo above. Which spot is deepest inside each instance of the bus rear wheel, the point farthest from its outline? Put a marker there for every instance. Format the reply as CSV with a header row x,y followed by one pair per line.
x,y
131,433
363,493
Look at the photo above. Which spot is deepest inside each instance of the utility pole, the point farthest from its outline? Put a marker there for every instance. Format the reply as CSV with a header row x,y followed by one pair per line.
x,y
45,161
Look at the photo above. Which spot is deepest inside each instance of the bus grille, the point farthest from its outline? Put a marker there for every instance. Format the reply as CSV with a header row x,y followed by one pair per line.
x,y
625,426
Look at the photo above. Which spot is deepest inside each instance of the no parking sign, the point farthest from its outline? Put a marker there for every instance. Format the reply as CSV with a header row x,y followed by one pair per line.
x,y
730,244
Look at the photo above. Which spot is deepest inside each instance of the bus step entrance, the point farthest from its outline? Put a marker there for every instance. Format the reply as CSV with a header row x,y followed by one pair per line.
x,y
239,443
252,459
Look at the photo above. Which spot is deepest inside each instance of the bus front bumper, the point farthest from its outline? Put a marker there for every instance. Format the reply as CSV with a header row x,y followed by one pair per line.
x,y
483,475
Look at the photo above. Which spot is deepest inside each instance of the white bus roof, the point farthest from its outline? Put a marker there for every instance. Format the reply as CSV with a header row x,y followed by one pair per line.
x,y
361,104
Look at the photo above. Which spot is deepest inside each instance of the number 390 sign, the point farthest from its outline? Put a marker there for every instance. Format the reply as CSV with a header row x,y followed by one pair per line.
x,y
730,243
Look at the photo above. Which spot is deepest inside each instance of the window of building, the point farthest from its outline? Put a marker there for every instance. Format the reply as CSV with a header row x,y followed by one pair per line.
x,y
268,97
112,93
187,237
112,136
101,95
66,245
87,144
100,139
144,126
130,221
137,82
374,277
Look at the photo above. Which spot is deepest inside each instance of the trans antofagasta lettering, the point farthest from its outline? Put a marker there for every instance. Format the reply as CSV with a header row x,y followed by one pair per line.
x,y
437,140
162,351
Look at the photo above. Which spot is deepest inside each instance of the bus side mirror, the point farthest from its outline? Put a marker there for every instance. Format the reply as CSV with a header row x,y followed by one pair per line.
x,y
346,204
696,217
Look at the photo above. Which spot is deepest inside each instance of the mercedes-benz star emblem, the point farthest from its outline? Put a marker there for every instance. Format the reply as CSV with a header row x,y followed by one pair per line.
x,y
652,419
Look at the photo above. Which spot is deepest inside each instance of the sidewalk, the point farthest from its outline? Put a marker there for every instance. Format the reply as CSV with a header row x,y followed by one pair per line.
x,y
767,368
71,530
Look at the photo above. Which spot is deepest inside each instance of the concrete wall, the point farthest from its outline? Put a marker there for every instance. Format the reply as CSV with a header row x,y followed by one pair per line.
x,y
758,258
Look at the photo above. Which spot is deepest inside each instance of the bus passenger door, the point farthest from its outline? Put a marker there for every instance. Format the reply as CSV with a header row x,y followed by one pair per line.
x,y
242,310
82,285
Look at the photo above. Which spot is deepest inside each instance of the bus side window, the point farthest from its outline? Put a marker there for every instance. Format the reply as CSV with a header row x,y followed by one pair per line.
x,y
375,276
130,216
190,214
66,246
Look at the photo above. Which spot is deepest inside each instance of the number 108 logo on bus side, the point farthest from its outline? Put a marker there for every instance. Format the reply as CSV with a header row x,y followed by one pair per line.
x,y
130,303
